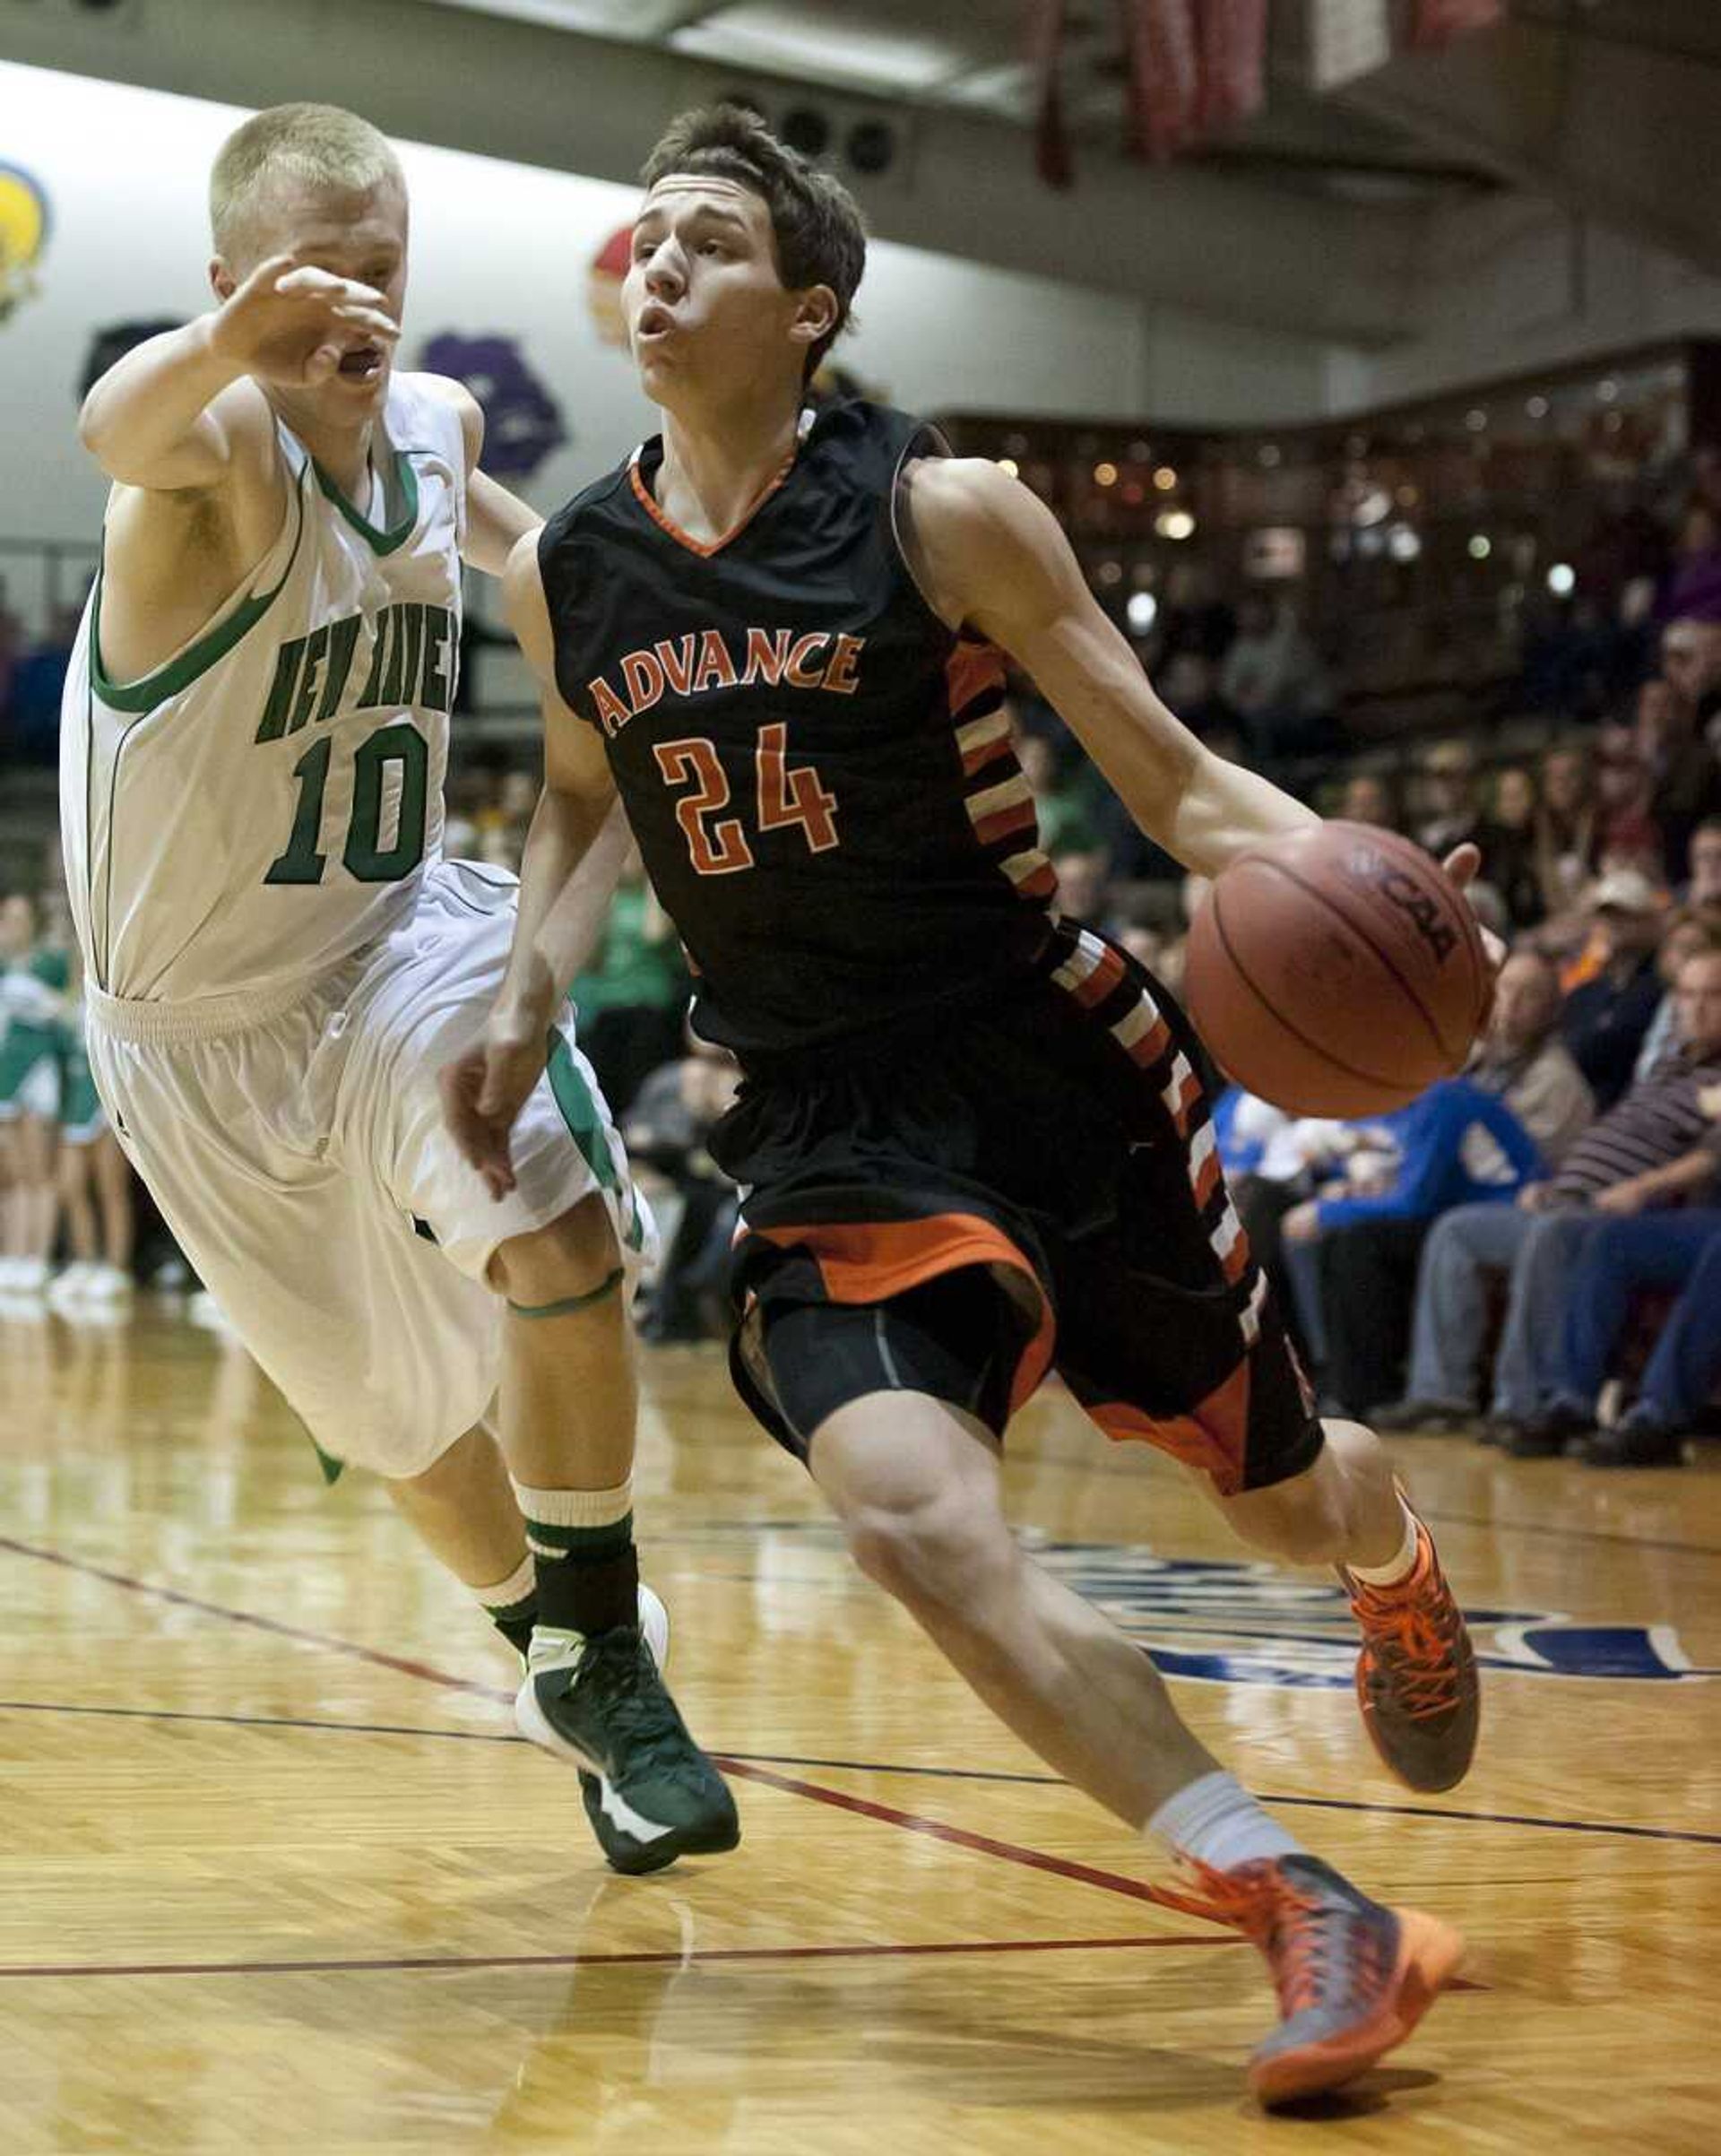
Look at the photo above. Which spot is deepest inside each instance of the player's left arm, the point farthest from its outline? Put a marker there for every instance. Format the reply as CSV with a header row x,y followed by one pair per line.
x,y
495,520
991,558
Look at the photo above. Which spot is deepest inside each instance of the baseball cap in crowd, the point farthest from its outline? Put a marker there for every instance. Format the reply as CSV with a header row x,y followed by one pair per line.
x,y
1626,891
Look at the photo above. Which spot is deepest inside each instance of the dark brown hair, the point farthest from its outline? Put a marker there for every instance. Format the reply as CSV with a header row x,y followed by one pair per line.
x,y
814,220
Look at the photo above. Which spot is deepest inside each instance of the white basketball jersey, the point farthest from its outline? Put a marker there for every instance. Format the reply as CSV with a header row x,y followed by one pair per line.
x,y
264,803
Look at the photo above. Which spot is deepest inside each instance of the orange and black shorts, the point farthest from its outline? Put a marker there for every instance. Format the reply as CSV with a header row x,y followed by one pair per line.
x,y
965,1207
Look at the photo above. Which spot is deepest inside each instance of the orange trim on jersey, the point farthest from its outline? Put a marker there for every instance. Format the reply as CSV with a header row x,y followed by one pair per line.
x,y
1214,1439
969,673
1153,1044
989,752
1206,1180
1093,988
705,549
870,1261
1004,823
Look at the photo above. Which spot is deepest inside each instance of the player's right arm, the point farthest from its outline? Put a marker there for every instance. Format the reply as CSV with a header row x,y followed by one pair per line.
x,y
574,856
181,410
182,426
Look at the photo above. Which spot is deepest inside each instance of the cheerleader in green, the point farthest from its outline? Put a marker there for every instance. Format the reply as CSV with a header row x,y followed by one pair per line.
x,y
95,1180
32,1008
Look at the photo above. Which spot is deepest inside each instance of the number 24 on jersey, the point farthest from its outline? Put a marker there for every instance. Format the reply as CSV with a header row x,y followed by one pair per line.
x,y
717,844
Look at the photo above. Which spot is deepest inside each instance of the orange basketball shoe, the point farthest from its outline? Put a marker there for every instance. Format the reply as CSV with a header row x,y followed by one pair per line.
x,y
1354,1977
1416,1675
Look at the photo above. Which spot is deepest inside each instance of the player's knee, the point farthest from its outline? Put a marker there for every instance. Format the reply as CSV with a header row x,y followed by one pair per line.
x,y
931,1553
573,1256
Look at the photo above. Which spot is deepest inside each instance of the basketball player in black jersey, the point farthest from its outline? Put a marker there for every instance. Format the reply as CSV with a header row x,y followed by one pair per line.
x,y
971,1135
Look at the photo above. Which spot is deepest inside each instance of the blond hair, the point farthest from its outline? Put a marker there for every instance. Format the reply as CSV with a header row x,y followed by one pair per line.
x,y
319,143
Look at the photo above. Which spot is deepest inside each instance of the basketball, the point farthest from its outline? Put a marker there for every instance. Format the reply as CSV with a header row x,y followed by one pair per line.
x,y
1336,972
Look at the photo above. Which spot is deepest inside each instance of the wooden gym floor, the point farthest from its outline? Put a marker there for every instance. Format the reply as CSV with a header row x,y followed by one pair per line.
x,y
278,1878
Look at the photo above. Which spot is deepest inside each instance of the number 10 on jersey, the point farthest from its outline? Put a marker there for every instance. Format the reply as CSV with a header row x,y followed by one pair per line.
x,y
717,844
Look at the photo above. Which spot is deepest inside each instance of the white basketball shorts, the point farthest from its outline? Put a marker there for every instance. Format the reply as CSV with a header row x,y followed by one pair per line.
x,y
294,1144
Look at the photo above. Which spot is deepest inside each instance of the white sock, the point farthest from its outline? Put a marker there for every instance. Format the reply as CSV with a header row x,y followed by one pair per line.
x,y
1215,1820
507,1594
1396,1568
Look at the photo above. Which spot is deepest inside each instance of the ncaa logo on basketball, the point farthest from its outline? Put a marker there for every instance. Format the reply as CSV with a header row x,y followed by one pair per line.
x,y
24,226
1403,891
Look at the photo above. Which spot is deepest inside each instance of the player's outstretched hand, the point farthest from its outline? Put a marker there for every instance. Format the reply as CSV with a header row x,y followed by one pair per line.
x,y
295,325
1461,866
483,1092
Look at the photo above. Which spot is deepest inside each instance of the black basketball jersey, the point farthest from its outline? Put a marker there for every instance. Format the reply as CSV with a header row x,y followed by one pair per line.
x,y
818,772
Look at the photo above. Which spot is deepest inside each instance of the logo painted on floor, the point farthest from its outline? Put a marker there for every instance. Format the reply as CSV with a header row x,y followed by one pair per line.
x,y
1229,1622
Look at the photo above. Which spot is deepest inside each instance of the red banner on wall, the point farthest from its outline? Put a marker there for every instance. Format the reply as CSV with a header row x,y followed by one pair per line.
x,y
1232,43
1165,75
1051,142
1439,22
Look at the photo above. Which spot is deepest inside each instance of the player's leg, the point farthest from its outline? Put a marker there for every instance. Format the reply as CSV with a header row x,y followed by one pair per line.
x,y
1416,1676
558,1256
37,1148
76,1203
1197,1360
463,1509
10,1216
113,1179
566,1411
913,1478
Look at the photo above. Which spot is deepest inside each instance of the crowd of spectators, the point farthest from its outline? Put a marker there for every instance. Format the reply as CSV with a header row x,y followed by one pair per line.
x,y
32,674
1573,1169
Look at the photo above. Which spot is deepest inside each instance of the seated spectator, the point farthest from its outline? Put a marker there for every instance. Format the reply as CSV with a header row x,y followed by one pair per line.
x,y
1282,1160
1272,678
1682,775
1703,888
1605,1018
1243,1127
12,641
1426,1171
1368,799
665,1131
1506,838
1690,660
1694,579
1678,1249
1083,893
1689,931
1625,818
1652,1145
1145,945
36,682
632,1001
1565,827
1518,1110
1449,814
1190,684
1059,809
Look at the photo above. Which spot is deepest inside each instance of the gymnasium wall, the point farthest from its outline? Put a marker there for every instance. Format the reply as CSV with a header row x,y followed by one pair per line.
x,y
1515,284
506,250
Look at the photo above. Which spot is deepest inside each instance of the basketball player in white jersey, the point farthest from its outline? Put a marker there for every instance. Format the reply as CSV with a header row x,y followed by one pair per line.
x,y
278,962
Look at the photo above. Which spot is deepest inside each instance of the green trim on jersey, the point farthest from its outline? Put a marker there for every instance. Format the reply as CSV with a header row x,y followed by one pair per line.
x,y
585,1119
178,674
406,478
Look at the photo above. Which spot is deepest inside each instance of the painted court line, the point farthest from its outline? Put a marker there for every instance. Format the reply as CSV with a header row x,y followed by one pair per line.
x,y
244,1616
736,1760
1114,1882
677,1957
